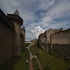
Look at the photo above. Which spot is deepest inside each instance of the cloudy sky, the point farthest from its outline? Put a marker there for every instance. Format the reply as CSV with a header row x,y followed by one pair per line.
x,y
39,15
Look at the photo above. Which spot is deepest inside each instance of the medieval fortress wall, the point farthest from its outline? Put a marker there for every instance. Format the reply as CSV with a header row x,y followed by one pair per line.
x,y
60,44
56,42
12,37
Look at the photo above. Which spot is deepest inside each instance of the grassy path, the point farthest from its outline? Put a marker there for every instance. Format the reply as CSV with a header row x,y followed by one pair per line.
x,y
49,62
17,63
39,64
34,62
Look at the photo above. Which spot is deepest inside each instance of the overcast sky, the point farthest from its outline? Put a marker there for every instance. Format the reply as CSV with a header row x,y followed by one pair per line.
x,y
39,15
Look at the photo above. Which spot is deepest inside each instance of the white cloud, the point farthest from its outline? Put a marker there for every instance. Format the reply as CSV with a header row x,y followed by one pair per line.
x,y
58,11
38,30
30,36
63,24
55,9
9,6
45,4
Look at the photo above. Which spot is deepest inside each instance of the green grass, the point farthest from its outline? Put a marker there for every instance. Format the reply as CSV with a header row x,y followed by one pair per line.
x,y
50,62
34,50
35,64
27,44
17,63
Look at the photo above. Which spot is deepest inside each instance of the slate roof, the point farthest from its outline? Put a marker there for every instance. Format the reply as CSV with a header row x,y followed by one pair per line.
x,y
16,13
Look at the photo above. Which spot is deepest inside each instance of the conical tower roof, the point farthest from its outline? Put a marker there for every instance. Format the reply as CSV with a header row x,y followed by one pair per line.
x,y
23,27
15,16
16,13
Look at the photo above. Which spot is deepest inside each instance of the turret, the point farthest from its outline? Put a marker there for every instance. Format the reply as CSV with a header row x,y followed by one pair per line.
x,y
17,21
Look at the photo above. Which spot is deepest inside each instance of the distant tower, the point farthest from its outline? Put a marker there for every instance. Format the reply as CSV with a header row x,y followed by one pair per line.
x,y
18,21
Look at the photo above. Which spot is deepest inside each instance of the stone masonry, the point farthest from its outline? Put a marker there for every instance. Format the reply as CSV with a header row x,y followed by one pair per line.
x,y
10,36
60,44
56,42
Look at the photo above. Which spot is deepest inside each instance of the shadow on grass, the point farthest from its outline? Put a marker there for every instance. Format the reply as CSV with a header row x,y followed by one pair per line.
x,y
10,64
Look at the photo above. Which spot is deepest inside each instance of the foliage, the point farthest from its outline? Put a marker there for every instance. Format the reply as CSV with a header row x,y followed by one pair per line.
x,y
17,63
52,62
35,64
65,58
34,50
27,44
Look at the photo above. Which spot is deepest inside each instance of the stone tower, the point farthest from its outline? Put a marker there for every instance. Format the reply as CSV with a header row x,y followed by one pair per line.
x,y
17,21
23,32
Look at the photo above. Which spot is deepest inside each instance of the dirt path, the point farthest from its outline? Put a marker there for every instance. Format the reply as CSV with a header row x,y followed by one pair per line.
x,y
31,57
31,65
40,66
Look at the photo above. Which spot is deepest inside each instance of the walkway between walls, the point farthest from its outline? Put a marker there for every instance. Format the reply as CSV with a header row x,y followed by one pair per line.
x,y
31,57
